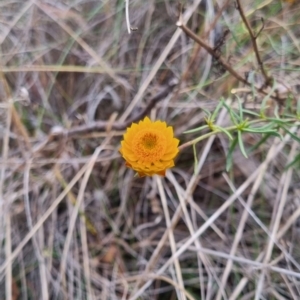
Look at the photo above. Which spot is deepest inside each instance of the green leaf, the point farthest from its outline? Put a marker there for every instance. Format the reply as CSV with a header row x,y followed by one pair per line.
x,y
219,106
264,102
224,131
288,104
249,112
207,112
296,138
281,121
272,132
293,162
196,129
230,152
240,108
262,141
276,114
291,116
268,126
234,117
241,144
251,79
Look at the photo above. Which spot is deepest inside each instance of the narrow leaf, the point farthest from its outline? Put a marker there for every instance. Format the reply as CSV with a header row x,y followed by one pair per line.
x,y
249,112
241,144
234,117
229,159
264,102
224,131
240,108
196,129
219,106
296,138
293,162
262,141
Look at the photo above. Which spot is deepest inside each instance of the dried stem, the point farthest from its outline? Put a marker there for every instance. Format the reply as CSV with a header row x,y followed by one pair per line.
x,y
211,27
217,55
268,79
127,16
212,52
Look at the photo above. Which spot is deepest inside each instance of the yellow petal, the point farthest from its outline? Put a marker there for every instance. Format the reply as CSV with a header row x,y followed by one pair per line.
x,y
149,147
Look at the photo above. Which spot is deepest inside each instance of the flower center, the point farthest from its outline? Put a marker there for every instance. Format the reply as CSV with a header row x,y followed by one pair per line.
x,y
149,140
149,145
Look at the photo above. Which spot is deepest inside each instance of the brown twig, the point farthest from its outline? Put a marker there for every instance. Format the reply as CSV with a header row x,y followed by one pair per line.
x,y
198,48
253,37
210,50
217,55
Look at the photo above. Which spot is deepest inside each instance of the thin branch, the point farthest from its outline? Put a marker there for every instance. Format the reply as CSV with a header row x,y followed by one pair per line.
x,y
217,55
262,27
268,79
211,51
211,27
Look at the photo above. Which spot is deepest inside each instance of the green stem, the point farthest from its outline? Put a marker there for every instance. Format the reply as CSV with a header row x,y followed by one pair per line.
x,y
230,128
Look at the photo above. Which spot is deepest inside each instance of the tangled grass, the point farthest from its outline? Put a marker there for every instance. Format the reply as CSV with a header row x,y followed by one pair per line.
x,y
76,223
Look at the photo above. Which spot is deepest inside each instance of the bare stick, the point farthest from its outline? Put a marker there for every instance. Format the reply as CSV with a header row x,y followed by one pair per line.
x,y
268,79
217,55
211,51
4,207
127,16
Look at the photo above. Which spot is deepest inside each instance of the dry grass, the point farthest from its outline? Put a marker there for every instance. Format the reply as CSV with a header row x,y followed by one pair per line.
x,y
76,223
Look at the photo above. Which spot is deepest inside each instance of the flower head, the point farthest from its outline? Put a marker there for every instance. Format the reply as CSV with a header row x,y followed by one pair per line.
x,y
149,147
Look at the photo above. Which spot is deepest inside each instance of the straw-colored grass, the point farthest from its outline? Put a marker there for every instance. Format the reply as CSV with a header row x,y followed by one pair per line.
x,y
76,223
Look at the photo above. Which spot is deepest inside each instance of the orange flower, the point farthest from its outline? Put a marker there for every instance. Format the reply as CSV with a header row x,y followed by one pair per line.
x,y
149,147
